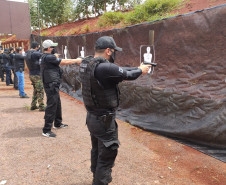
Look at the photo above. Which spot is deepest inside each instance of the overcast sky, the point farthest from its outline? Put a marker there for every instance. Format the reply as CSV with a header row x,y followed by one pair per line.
x,y
18,0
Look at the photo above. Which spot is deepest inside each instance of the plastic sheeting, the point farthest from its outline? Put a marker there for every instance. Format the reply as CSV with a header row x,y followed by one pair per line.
x,y
185,98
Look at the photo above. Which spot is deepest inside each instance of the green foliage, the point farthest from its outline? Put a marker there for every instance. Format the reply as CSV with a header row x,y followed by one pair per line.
x,y
33,14
50,12
88,8
82,8
44,33
150,10
110,18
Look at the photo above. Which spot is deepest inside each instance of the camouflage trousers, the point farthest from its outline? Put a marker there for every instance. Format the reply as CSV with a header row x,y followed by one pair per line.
x,y
38,92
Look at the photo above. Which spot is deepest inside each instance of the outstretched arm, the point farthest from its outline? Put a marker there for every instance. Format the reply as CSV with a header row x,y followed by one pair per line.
x,y
70,61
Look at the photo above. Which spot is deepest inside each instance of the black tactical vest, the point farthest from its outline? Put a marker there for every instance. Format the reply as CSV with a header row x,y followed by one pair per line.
x,y
32,65
48,74
95,96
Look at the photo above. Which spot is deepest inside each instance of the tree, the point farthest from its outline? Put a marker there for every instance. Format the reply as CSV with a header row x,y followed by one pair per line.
x,y
52,12
33,14
82,8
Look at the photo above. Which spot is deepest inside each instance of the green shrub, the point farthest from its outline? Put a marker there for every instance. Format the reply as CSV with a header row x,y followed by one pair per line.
x,y
151,10
44,33
131,18
151,7
110,18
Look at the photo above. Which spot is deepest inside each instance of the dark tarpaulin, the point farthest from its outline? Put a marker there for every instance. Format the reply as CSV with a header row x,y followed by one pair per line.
x,y
185,98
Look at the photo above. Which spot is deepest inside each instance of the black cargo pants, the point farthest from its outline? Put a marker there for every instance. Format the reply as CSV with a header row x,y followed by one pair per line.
x,y
53,111
104,137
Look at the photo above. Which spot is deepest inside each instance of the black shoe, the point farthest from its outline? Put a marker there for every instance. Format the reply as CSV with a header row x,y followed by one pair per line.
x,y
33,107
21,95
25,96
49,134
61,126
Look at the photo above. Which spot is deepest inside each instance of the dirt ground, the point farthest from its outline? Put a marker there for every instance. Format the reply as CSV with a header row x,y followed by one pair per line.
x,y
26,157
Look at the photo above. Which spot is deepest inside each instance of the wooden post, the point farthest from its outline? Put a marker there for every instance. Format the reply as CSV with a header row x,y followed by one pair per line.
x,y
151,37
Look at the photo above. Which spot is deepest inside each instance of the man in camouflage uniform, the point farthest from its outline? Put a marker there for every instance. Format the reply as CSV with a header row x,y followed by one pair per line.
x,y
32,60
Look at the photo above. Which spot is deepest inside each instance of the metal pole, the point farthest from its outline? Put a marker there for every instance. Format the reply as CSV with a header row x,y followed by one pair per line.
x,y
38,18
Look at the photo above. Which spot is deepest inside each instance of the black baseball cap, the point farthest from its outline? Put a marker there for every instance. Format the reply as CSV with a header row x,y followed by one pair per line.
x,y
106,42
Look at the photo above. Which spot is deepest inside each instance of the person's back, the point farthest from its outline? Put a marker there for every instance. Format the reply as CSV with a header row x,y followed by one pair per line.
x,y
7,66
6,61
1,65
19,62
32,60
12,63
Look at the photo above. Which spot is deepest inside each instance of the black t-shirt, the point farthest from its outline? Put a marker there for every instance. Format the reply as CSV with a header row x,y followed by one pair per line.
x,y
11,56
109,74
51,61
50,69
19,62
4,60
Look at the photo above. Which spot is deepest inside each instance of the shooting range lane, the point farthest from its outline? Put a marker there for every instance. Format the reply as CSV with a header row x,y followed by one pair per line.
x,y
185,97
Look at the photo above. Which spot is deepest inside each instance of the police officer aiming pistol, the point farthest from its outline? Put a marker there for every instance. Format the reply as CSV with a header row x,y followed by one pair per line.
x,y
51,76
100,78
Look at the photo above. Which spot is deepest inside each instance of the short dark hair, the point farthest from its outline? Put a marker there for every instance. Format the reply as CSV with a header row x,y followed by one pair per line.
x,y
99,50
11,49
34,45
45,49
19,49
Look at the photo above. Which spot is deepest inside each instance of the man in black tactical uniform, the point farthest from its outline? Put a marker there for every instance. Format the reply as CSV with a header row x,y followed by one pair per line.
x,y
19,69
12,61
32,60
7,66
100,78
51,76
1,65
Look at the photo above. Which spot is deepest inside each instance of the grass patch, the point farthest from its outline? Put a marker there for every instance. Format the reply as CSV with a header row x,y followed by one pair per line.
x,y
60,32
85,28
44,33
150,10
110,19
73,31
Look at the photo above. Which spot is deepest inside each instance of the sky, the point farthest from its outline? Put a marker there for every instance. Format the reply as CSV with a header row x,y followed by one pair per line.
x,y
18,0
